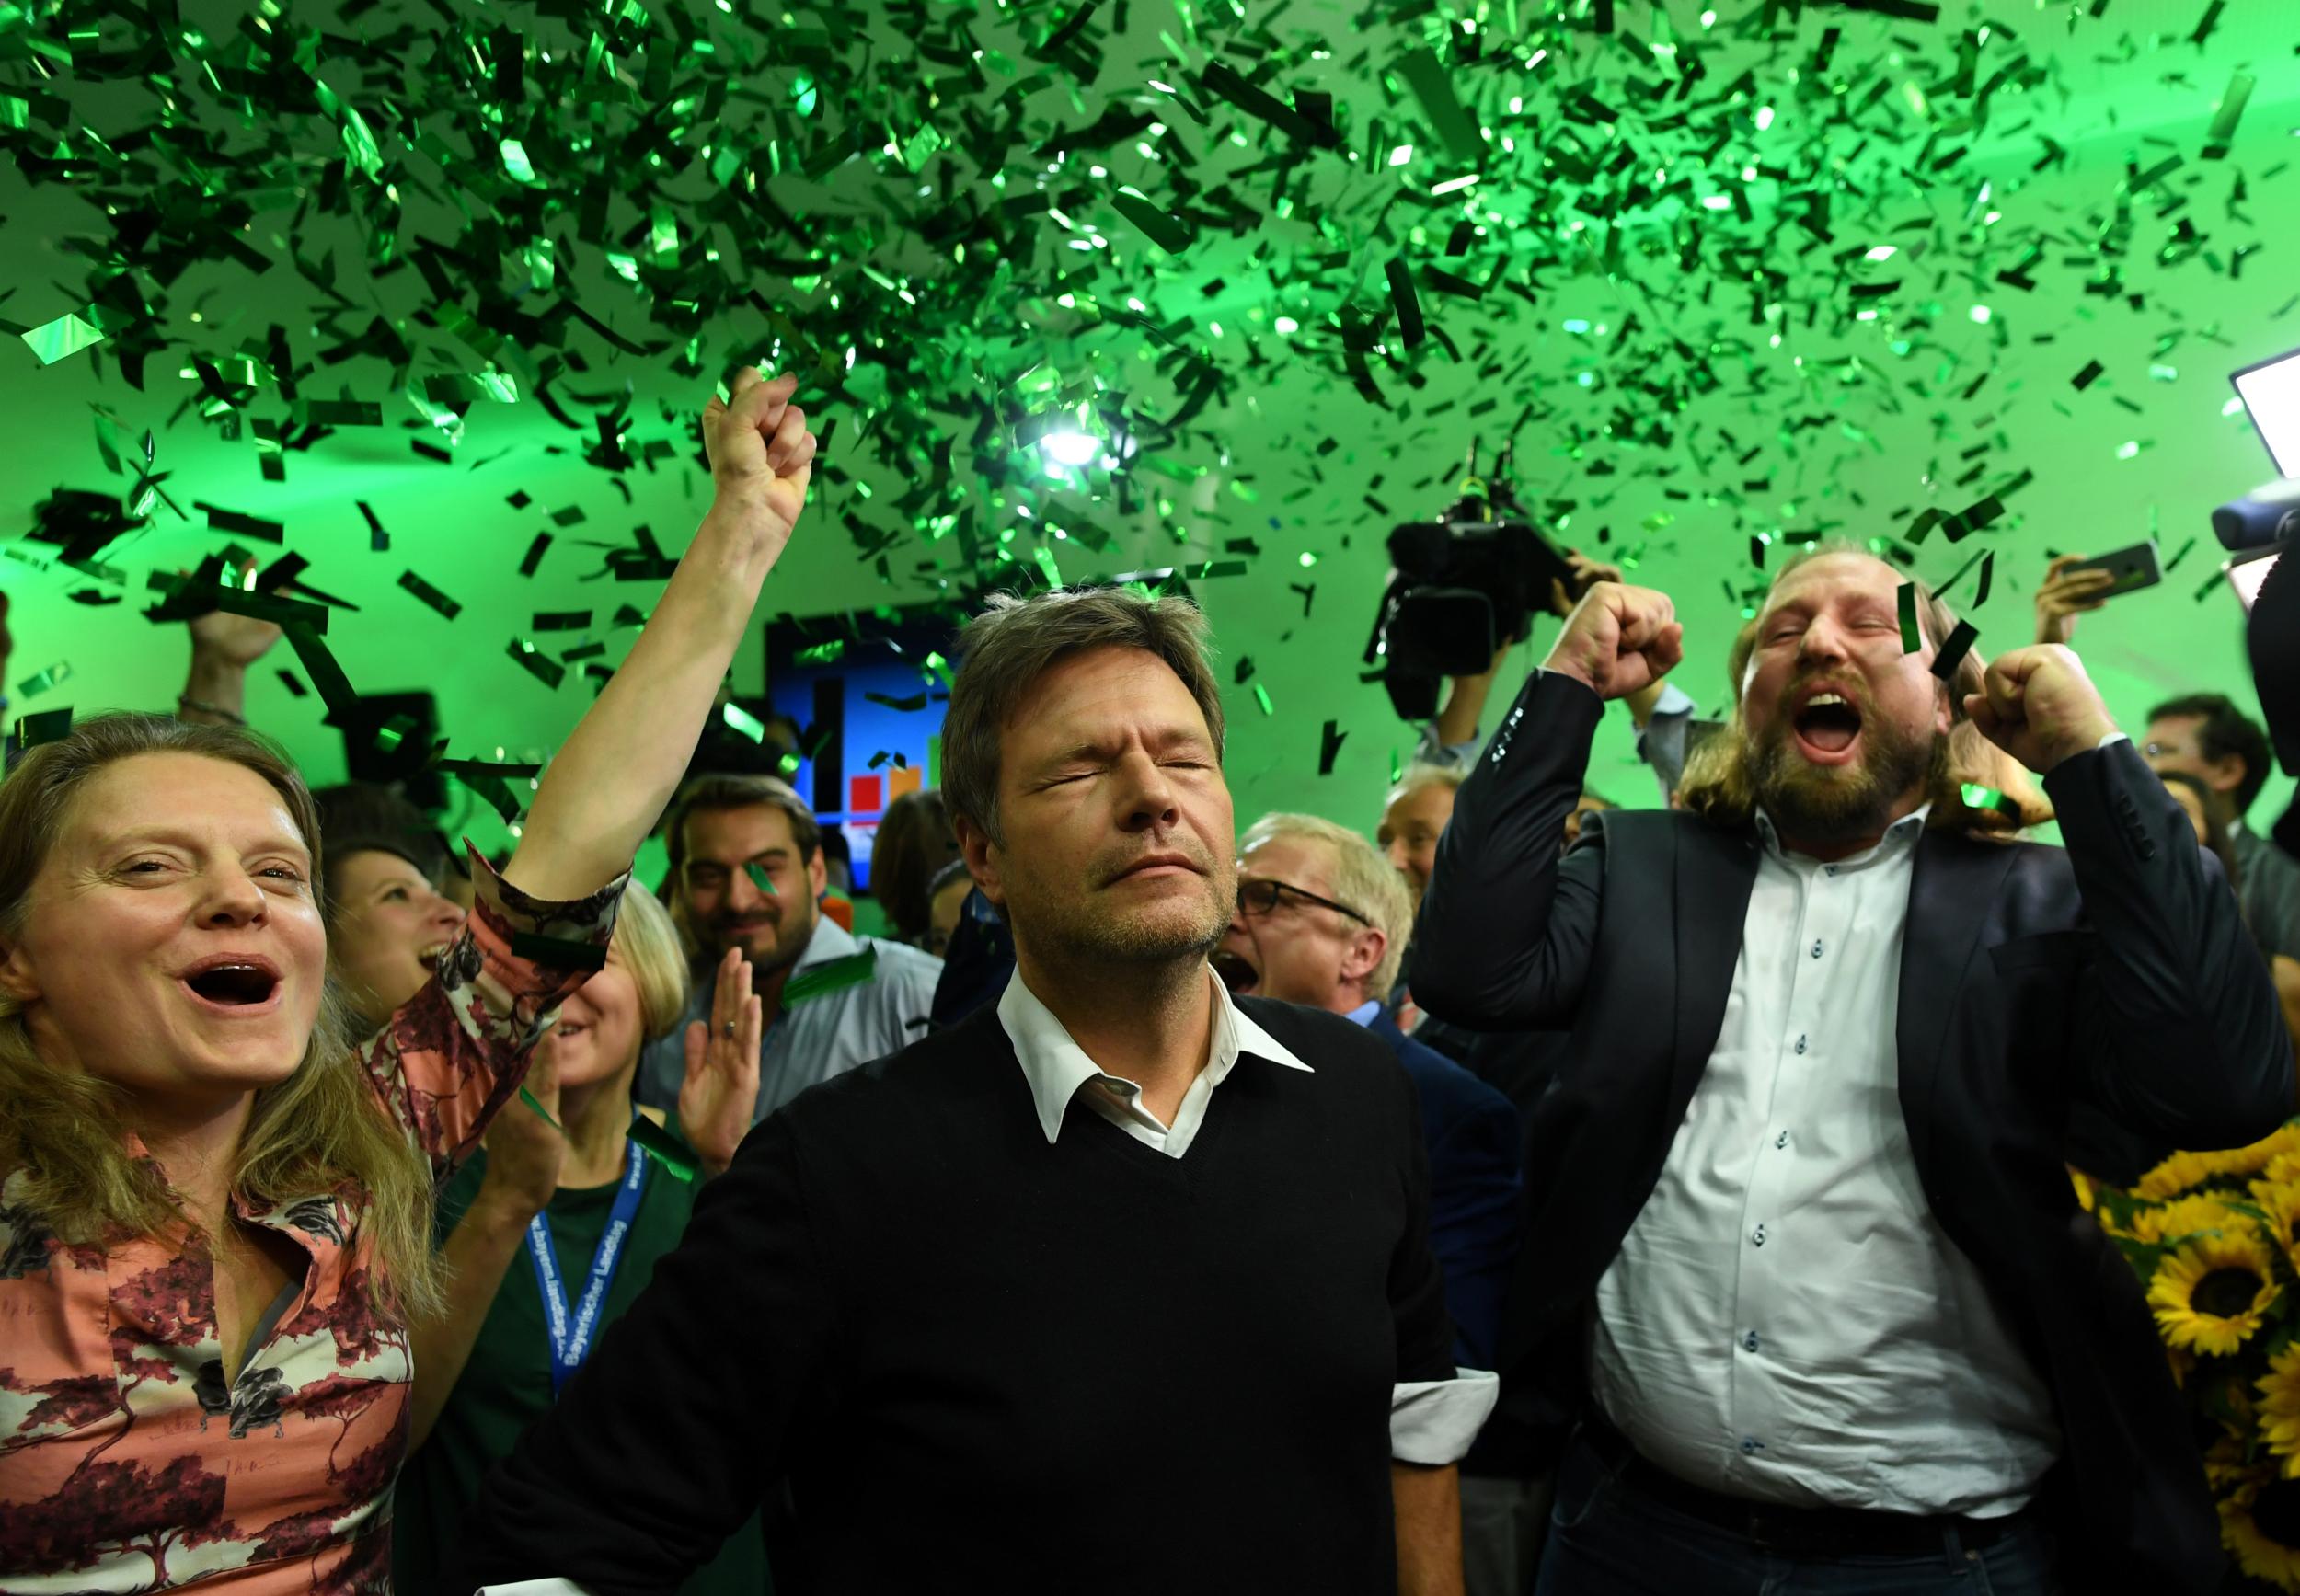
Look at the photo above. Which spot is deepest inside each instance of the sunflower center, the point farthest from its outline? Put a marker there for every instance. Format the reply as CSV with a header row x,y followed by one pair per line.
x,y
2276,1511
2225,1292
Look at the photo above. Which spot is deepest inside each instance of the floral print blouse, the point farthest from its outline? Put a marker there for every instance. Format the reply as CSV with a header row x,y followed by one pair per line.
x,y
127,1463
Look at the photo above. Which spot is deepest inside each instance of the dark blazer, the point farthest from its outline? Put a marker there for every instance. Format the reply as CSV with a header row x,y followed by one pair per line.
x,y
2115,975
1475,1199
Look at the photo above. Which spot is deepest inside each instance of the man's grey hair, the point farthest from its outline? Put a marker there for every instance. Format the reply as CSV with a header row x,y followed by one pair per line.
x,y
1361,878
1014,641
1421,774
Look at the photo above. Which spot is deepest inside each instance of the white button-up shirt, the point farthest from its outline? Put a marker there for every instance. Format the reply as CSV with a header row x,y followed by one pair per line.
x,y
1786,1320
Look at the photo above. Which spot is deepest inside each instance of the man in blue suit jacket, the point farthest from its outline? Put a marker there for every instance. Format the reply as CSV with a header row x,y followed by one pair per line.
x,y
1322,919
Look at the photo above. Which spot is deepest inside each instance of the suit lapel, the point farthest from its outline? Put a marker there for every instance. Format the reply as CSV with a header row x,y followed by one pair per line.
x,y
1715,872
1952,891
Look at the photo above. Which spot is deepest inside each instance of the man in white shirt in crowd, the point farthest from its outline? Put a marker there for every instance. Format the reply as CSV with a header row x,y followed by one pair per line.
x,y
747,870
1803,1262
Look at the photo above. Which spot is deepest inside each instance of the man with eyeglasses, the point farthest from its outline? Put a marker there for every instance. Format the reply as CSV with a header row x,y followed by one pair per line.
x,y
1322,919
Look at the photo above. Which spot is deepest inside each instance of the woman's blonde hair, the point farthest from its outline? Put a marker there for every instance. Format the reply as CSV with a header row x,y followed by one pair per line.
x,y
1720,785
320,1132
648,945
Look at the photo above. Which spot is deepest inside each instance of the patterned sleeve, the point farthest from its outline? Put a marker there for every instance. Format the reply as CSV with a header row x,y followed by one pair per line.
x,y
454,1054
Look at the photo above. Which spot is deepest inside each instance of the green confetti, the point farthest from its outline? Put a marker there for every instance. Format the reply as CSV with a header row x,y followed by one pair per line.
x,y
2231,102
490,781
760,879
1952,652
1912,635
1261,696
1160,228
675,1157
834,975
537,664
34,686
335,688
542,1113
743,721
1988,797
47,726
1434,89
430,595
829,653
67,335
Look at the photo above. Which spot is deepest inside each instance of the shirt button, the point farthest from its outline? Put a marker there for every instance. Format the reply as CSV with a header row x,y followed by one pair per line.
x,y
1756,1237
1800,1044
1816,947
1782,1139
1751,1446
1832,869
1750,1341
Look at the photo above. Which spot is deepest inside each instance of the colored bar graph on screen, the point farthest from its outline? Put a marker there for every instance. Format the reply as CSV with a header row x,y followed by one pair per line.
x,y
901,779
862,794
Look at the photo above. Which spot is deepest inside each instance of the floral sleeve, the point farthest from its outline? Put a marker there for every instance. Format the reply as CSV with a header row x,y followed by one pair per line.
x,y
454,1054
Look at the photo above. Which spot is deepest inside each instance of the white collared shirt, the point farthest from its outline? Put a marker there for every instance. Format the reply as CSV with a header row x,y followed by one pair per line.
x,y
1057,1067
1786,1320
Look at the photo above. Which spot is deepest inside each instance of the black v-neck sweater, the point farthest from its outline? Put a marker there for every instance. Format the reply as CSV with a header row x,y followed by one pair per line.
x,y
985,1361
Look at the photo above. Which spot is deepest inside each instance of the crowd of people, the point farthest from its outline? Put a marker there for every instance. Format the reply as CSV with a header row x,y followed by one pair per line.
x,y
1520,1194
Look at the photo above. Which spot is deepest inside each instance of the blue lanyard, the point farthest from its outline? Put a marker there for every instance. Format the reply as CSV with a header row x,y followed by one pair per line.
x,y
571,1333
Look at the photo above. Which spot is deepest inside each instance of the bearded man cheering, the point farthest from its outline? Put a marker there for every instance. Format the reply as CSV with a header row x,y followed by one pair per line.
x,y
1804,1281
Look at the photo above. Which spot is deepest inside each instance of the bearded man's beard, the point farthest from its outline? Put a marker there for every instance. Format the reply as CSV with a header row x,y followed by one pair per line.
x,y
1844,802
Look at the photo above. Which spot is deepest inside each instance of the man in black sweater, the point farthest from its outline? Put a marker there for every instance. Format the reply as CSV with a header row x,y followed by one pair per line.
x,y
1119,1287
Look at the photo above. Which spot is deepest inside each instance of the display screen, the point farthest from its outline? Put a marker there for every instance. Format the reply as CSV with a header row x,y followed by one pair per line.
x,y
2271,392
868,701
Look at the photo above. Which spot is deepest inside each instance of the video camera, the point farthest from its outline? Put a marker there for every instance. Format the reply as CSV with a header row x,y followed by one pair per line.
x,y
1460,586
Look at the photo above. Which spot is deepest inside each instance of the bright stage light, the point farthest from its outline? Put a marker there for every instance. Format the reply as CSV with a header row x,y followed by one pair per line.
x,y
2271,392
1070,448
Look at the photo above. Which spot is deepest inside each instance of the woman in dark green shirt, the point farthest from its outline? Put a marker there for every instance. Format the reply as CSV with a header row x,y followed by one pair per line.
x,y
552,1232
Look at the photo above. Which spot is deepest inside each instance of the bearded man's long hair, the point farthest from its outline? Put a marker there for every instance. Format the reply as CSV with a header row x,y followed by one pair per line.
x,y
1720,782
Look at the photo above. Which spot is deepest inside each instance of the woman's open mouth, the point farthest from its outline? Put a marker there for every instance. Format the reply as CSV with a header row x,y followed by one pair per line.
x,y
235,985
429,958
1828,727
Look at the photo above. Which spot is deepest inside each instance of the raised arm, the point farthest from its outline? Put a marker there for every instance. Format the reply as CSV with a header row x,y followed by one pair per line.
x,y
2180,1025
1503,941
523,1158
617,770
454,1054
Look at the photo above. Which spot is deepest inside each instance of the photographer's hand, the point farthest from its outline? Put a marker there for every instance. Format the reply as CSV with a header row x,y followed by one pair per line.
x,y
1618,639
1466,700
2062,598
1586,574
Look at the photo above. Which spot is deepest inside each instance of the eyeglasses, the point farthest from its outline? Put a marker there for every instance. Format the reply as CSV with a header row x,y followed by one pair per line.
x,y
1262,897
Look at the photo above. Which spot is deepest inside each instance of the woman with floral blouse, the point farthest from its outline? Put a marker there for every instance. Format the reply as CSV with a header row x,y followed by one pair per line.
x,y
215,1210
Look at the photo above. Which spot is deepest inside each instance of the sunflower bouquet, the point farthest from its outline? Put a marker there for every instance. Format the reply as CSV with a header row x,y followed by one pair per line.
x,y
2216,1240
